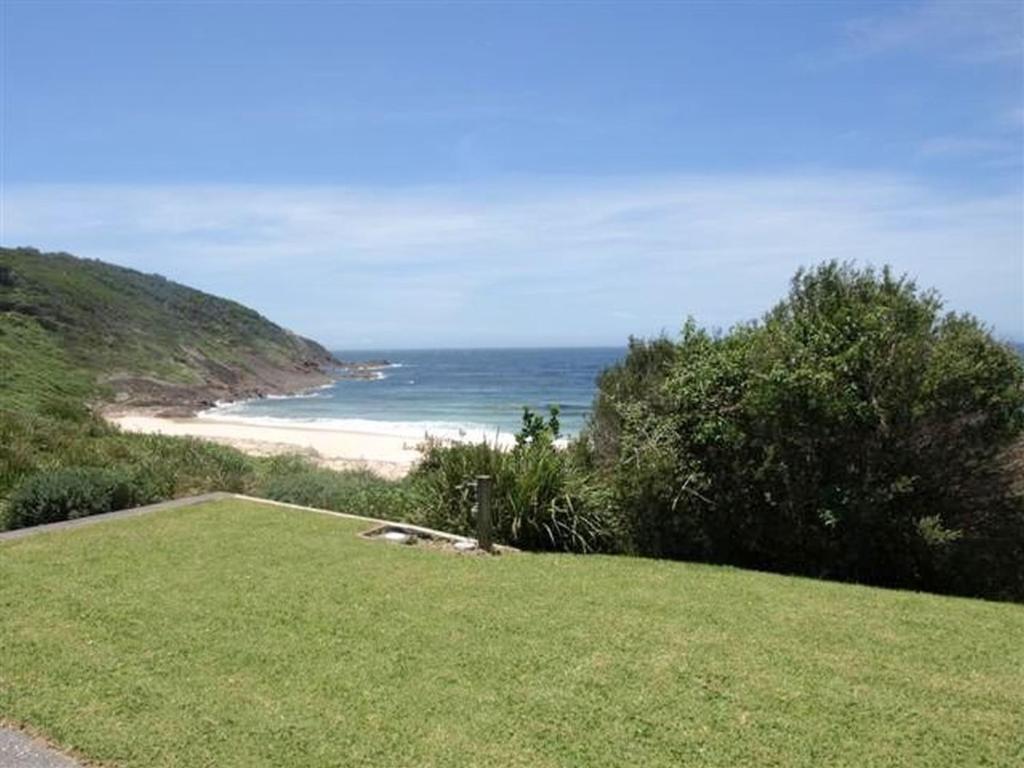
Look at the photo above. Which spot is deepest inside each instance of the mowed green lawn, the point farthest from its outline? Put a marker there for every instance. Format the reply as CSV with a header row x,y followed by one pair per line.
x,y
239,634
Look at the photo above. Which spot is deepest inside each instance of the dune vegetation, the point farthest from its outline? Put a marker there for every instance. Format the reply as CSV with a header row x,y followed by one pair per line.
x,y
855,432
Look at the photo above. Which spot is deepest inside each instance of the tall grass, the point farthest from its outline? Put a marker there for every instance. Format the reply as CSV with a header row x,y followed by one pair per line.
x,y
31,443
295,480
541,499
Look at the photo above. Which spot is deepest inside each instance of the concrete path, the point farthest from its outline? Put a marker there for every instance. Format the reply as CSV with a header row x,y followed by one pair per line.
x,y
19,750
189,501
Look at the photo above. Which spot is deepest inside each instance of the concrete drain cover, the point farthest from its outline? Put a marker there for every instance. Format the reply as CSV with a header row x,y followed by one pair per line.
x,y
413,536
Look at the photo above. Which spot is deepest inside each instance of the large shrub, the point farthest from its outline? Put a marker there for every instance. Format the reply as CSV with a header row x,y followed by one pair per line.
x,y
66,494
637,381
856,432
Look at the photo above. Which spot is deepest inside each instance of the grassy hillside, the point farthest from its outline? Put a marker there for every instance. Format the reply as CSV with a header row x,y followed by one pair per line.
x,y
143,339
279,638
36,373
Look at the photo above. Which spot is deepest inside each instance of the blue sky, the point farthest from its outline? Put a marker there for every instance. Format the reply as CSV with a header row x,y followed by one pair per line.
x,y
418,174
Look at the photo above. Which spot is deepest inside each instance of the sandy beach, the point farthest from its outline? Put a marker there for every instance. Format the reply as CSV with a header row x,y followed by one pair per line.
x,y
390,456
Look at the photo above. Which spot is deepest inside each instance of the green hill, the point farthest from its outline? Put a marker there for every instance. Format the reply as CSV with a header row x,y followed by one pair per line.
x,y
71,326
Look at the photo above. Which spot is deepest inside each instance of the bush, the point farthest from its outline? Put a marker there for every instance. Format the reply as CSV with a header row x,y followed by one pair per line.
x,y
30,443
66,494
176,466
855,433
542,499
636,382
156,466
295,480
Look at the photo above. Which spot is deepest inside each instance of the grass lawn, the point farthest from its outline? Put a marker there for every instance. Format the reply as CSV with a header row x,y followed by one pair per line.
x,y
239,634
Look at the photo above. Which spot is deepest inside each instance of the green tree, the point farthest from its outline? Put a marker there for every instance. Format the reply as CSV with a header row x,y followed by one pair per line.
x,y
535,430
856,432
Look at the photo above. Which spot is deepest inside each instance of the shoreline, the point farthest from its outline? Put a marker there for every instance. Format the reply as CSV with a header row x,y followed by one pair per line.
x,y
391,456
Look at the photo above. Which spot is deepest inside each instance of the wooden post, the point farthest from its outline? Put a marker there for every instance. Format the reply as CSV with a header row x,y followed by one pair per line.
x,y
483,512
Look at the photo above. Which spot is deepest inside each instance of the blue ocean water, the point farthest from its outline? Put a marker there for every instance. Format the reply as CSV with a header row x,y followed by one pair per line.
x,y
446,392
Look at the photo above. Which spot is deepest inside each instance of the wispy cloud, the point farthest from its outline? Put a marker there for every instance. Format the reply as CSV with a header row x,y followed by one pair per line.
x,y
969,146
970,30
534,260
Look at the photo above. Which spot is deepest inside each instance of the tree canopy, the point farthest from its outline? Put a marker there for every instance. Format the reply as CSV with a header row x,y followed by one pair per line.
x,y
856,431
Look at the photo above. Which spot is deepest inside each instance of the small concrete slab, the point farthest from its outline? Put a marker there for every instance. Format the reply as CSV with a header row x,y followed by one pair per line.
x,y
19,750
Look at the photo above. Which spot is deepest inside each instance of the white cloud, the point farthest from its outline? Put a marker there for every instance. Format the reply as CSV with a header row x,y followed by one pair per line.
x,y
534,260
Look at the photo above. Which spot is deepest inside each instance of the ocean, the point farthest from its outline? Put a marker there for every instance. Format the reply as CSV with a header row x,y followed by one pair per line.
x,y
466,393
471,393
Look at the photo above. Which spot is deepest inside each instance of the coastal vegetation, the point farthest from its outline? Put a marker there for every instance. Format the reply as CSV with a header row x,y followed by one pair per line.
x,y
855,432
543,497
241,634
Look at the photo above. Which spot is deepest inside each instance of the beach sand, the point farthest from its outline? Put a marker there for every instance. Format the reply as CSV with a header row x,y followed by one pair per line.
x,y
390,456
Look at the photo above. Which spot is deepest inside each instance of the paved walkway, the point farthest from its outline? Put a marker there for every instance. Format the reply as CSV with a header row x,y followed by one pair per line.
x,y
190,501
79,522
19,750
